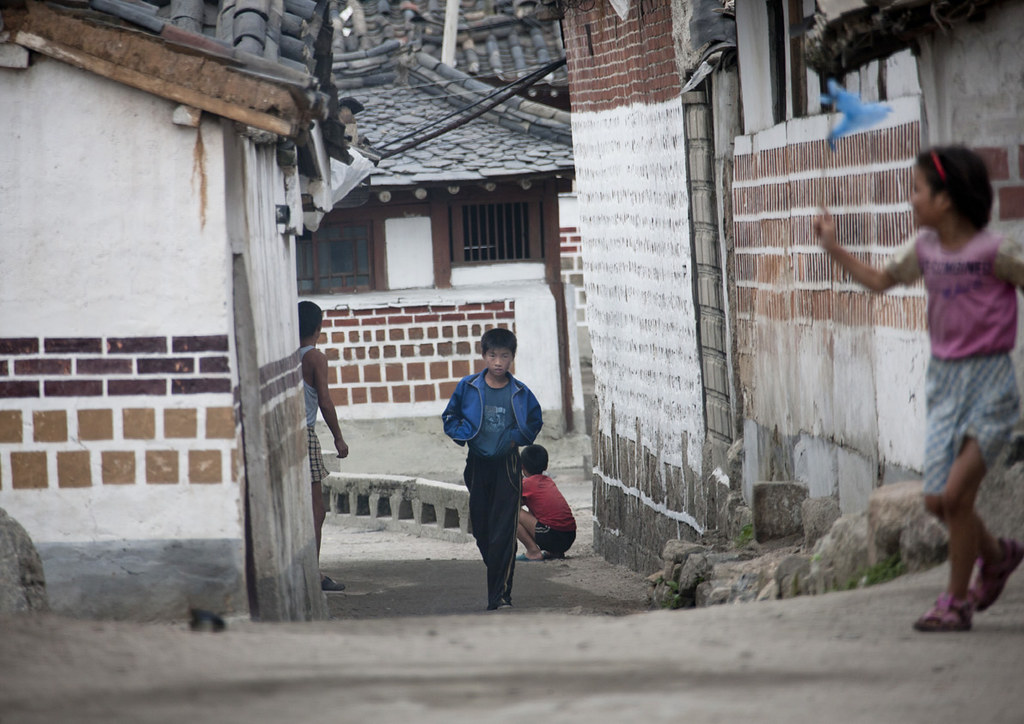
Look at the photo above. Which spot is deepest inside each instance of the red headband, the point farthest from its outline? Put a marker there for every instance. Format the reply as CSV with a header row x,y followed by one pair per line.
x,y
938,166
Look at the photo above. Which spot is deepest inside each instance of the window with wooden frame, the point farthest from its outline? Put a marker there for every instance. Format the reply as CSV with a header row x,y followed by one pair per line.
x,y
336,257
496,232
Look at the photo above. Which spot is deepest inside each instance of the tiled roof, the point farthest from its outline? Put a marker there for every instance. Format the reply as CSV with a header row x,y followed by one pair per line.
x,y
216,55
518,138
493,42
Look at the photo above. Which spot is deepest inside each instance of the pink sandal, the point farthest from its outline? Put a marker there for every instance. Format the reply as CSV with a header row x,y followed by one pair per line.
x,y
948,614
992,578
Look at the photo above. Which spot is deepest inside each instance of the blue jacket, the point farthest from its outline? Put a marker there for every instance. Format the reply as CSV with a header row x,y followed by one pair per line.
x,y
465,411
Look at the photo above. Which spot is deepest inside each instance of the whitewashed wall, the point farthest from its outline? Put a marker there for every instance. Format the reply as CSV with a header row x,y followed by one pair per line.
x,y
72,210
112,226
410,252
633,217
89,249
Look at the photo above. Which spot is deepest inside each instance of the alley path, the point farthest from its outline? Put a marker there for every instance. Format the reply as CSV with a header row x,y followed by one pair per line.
x,y
845,657
410,644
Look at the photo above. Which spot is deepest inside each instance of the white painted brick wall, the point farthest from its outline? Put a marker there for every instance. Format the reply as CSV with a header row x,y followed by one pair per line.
x,y
633,216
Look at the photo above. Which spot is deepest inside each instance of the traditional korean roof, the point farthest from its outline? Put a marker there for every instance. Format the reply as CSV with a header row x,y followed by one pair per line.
x,y
518,138
253,61
499,40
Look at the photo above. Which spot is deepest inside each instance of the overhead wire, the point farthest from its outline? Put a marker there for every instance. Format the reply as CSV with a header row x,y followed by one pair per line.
x,y
491,100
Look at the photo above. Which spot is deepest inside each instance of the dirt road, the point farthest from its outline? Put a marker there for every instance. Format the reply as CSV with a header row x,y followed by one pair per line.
x,y
845,657
410,644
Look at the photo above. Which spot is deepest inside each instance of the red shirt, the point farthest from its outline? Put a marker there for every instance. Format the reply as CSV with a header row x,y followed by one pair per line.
x,y
541,496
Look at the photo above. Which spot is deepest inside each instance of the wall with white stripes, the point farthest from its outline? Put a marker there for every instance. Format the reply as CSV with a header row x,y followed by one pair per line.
x,y
831,375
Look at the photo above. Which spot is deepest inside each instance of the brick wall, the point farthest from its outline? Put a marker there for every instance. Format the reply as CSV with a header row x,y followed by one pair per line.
x,y
571,249
631,183
91,411
831,375
406,354
615,63
1006,170
781,272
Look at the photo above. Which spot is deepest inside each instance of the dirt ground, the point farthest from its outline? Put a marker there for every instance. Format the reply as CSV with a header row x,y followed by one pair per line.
x,y
410,643
392,574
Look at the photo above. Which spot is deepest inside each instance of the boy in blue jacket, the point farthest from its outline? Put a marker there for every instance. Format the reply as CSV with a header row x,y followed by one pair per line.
x,y
494,413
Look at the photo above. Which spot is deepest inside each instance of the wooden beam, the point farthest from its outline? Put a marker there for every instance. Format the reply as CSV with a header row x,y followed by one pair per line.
x,y
156,86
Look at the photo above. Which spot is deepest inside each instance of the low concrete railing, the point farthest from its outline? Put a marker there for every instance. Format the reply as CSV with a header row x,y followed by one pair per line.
x,y
416,506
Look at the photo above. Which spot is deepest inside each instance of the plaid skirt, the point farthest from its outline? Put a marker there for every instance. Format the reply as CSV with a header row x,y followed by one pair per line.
x,y
975,397
316,456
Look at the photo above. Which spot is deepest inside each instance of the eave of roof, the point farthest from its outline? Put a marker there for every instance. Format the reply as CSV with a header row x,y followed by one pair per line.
x,y
848,34
181,66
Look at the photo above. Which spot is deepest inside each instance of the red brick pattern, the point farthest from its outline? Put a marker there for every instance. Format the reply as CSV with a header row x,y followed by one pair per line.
x,y
572,269
1006,169
402,354
115,366
614,62
781,273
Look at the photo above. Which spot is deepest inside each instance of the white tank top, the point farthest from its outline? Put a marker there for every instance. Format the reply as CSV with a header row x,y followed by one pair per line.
x,y
312,399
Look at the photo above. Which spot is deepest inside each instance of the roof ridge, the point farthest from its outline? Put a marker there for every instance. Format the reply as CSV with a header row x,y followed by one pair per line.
x,y
432,69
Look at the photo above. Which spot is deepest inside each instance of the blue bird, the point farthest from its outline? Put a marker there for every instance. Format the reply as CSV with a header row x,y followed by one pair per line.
x,y
856,115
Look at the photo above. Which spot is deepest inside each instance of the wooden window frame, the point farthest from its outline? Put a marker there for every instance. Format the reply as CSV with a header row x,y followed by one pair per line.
x,y
375,255
535,221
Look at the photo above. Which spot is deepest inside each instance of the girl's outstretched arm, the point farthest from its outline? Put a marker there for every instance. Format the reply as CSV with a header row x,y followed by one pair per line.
x,y
877,280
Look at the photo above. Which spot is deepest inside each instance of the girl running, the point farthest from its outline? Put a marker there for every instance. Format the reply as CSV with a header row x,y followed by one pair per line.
x,y
970,276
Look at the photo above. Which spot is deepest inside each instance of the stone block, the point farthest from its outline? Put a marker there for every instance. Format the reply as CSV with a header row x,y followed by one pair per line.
x,y
1001,497
841,555
818,515
924,543
892,508
777,509
22,584
791,575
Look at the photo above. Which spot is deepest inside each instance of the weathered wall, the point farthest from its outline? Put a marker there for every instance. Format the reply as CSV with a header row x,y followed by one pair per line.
x,y
283,570
118,438
629,146
829,372
832,376
972,81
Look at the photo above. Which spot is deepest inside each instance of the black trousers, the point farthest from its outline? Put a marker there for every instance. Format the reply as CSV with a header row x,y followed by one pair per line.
x,y
495,495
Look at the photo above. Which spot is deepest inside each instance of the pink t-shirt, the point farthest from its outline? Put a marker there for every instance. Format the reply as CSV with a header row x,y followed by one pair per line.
x,y
972,305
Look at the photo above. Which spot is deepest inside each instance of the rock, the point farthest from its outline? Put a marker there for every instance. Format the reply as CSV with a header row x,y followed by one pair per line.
x,y
730,579
22,584
769,593
1001,496
777,511
842,555
734,464
685,567
818,515
891,508
708,594
738,516
674,553
924,543
695,570
791,575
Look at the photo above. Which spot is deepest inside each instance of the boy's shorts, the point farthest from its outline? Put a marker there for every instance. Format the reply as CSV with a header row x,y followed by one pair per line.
x,y
976,398
316,456
555,542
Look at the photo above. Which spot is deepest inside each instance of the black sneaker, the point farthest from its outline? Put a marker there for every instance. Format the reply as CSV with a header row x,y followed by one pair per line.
x,y
329,584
